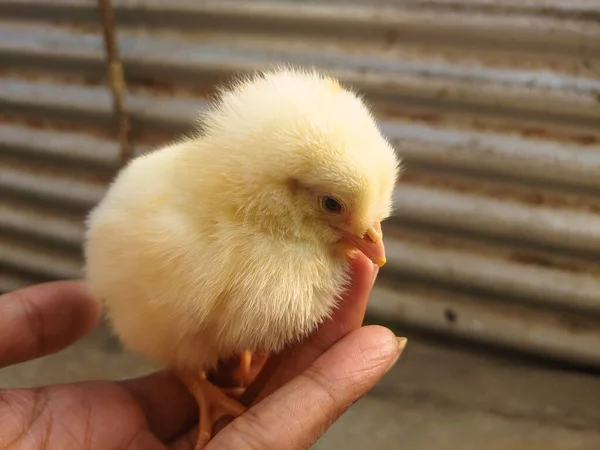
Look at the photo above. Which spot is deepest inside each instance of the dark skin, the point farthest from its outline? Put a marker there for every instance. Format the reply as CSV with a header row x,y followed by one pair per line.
x,y
293,400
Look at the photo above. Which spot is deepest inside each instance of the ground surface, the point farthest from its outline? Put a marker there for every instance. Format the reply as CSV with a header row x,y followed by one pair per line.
x,y
438,397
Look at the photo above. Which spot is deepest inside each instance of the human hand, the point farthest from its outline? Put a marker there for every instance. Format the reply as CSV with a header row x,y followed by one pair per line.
x,y
294,399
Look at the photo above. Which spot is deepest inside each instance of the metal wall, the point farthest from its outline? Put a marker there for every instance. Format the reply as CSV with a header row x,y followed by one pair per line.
x,y
494,105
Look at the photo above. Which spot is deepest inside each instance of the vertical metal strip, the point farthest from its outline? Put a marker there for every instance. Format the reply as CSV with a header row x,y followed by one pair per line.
x,y
116,78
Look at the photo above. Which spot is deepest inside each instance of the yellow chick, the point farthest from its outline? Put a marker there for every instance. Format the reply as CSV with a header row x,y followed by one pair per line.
x,y
237,240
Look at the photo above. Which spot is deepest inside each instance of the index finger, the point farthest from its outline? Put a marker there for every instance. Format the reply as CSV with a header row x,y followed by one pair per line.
x,y
44,318
348,317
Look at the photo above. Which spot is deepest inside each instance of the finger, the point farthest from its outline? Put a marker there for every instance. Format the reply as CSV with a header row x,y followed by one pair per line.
x,y
296,415
44,318
346,318
352,308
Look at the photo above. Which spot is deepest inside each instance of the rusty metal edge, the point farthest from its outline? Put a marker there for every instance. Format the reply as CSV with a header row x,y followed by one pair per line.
x,y
117,79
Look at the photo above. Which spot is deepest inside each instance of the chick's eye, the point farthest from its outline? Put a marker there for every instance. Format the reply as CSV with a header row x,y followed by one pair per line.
x,y
331,205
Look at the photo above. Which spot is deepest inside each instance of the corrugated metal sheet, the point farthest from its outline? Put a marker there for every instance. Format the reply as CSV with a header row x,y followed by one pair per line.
x,y
494,105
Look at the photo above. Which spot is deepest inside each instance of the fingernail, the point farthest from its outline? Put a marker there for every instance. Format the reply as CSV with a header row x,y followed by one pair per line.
x,y
401,341
375,272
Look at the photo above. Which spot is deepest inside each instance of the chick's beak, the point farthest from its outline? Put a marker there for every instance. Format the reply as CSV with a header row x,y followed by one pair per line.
x,y
371,244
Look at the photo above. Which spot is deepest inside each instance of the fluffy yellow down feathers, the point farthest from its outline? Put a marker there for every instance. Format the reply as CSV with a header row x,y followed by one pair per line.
x,y
238,238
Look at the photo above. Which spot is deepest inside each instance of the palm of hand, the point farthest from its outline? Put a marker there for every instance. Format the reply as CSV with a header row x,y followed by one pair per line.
x,y
103,415
325,374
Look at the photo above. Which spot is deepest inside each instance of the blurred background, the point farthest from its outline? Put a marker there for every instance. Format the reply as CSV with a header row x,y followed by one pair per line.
x,y
493,256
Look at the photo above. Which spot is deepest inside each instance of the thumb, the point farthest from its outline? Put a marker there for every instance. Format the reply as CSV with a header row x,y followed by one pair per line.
x,y
297,414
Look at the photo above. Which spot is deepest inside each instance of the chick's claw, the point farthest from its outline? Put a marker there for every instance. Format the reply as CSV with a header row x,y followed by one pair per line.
x,y
213,403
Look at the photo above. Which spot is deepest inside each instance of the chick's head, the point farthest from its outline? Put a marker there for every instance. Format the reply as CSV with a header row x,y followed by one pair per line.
x,y
304,159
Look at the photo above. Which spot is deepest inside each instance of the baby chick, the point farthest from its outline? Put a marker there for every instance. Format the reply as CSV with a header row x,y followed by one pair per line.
x,y
238,240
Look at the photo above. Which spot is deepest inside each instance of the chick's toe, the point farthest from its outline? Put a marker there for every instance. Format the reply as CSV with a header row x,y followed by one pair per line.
x,y
213,403
243,373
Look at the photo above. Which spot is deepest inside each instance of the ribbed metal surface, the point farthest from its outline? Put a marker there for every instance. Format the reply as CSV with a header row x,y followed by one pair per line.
x,y
494,105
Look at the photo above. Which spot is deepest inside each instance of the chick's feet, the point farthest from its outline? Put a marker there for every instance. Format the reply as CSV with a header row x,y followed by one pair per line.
x,y
243,373
242,376
213,404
